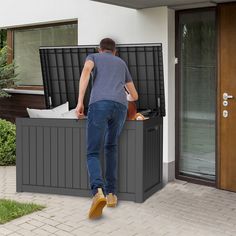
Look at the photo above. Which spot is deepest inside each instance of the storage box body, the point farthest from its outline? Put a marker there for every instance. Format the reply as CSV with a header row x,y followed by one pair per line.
x,y
51,157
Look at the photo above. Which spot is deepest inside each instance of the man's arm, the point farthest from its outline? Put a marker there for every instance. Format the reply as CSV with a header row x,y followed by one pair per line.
x,y
129,85
132,90
83,84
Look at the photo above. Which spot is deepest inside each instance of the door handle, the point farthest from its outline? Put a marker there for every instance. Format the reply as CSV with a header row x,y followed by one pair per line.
x,y
226,96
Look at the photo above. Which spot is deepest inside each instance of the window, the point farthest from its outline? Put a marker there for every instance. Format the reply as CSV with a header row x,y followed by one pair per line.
x,y
26,48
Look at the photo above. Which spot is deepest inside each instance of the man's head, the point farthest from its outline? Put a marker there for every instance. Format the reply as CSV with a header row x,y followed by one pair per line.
x,y
107,44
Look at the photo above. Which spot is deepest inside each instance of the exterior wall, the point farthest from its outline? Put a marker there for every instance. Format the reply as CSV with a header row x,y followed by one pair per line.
x,y
15,106
98,20
170,96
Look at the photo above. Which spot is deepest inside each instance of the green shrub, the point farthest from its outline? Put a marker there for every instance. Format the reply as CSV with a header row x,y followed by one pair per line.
x,y
7,72
7,143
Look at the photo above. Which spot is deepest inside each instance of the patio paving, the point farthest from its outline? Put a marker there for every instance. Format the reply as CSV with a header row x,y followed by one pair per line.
x,y
180,208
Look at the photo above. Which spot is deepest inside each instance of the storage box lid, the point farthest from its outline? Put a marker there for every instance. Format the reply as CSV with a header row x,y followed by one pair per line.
x,y
62,66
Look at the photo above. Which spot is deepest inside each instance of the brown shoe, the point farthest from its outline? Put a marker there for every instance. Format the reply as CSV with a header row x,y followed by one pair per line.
x,y
111,200
99,201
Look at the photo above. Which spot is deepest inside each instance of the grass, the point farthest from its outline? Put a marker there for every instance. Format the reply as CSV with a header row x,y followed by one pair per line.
x,y
10,209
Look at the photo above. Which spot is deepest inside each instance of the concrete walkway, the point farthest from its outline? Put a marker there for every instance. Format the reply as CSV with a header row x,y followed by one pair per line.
x,y
178,209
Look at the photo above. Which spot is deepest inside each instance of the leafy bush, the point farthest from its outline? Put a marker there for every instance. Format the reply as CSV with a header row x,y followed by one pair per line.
x,y
3,37
7,72
7,143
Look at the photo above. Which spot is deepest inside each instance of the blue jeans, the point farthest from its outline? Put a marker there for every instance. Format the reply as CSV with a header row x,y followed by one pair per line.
x,y
104,125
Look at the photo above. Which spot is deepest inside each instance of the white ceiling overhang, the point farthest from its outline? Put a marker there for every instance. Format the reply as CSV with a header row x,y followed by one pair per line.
x,y
140,4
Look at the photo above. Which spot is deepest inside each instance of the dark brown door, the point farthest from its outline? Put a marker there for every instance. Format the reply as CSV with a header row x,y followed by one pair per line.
x,y
227,97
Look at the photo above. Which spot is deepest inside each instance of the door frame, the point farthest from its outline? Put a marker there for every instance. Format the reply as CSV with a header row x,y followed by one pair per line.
x,y
186,177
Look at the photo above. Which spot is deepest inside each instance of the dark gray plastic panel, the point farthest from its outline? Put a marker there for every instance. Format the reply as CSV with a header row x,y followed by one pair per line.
x,y
51,157
62,66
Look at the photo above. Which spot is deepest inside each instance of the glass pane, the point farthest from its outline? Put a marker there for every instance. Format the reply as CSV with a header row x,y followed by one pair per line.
x,y
26,49
198,93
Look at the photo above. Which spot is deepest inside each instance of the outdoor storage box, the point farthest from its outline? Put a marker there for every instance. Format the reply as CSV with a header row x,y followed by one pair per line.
x,y
51,152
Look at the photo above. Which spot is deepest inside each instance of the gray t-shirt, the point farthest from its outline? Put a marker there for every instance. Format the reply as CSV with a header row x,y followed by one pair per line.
x,y
110,76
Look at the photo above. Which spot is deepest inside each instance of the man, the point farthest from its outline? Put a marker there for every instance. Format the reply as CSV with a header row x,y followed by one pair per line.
x,y
105,119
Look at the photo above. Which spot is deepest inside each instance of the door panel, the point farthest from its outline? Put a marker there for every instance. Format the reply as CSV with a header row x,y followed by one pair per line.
x,y
227,82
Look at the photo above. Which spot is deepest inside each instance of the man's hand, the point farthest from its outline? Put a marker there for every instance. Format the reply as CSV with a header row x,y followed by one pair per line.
x,y
80,111
129,97
133,95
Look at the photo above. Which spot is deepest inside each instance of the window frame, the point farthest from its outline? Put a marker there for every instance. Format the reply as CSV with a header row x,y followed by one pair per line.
x,y
10,44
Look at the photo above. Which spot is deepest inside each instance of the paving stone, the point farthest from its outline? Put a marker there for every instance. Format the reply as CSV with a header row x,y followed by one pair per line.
x,y
15,234
11,227
49,228
41,232
65,227
4,231
27,226
25,232
35,223
64,233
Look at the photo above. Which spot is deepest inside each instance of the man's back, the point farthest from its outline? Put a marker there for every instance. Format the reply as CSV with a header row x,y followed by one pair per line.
x,y
110,76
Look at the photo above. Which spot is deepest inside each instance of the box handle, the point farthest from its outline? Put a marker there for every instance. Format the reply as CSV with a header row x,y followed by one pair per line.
x,y
152,129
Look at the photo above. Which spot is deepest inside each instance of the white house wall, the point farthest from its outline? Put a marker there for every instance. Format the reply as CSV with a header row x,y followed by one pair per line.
x,y
170,97
98,20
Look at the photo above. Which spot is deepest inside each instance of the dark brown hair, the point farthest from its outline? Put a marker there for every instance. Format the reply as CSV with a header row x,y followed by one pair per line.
x,y
107,44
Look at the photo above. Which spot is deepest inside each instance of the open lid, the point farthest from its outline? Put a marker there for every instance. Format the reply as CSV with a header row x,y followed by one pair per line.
x,y
62,66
